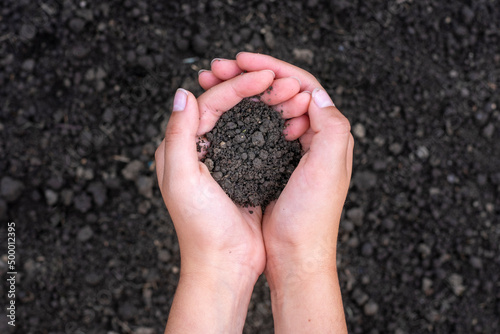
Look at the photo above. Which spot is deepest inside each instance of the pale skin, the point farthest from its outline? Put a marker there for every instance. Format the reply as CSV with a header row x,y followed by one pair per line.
x,y
223,247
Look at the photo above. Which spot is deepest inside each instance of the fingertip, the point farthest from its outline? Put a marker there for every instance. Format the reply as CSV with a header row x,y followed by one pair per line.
x,y
207,79
272,72
321,98
296,127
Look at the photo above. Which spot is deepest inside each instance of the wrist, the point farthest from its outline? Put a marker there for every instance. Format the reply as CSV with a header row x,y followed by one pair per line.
x,y
295,263
210,301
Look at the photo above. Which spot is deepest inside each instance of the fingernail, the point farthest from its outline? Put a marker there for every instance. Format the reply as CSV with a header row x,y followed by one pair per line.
x,y
239,54
300,83
201,71
274,74
321,98
180,100
215,59
306,91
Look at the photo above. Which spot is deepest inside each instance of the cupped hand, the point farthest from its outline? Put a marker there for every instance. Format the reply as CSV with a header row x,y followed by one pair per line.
x,y
300,228
214,234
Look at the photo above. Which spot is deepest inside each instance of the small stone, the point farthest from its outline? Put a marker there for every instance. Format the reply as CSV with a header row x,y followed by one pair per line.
x,y
359,297
476,262
456,283
28,65
269,39
427,286
370,308
365,180
85,234
396,148
100,73
51,197
304,55
67,197
356,215
424,250
144,185
90,74
200,44
468,14
144,330
98,191
27,31
82,202
359,130
240,138
11,189
127,311
217,176
144,207
489,130
164,255
353,242
422,152
132,170
93,278
263,154
76,24
347,226
209,163
388,224
258,139
30,267
257,163
367,249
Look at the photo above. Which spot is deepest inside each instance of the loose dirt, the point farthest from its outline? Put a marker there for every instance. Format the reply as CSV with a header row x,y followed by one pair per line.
x,y
249,156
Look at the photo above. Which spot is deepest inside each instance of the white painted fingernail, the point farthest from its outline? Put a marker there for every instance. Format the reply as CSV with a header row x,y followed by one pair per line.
x,y
321,98
201,71
180,100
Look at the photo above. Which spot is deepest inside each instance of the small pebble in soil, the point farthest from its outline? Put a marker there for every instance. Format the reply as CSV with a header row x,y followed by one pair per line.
x,y
249,156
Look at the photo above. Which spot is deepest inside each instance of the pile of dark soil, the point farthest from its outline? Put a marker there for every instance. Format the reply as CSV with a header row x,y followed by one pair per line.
x,y
248,154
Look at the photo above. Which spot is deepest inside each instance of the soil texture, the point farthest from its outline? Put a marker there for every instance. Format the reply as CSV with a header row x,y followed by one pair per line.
x,y
248,154
86,92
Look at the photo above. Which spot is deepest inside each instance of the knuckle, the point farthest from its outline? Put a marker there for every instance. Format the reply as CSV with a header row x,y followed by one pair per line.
x,y
338,124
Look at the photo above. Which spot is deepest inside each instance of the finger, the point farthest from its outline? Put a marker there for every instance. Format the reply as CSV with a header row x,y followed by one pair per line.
x,y
227,94
331,132
207,79
349,158
255,62
281,90
294,107
160,162
225,69
180,137
306,139
296,127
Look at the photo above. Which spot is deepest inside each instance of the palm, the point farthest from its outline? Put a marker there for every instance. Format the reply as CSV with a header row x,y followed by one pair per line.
x,y
234,227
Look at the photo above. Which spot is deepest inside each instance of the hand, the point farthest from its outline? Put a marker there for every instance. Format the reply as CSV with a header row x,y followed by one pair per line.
x,y
222,250
300,229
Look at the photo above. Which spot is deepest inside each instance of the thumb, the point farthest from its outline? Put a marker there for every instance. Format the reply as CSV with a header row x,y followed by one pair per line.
x,y
331,139
181,158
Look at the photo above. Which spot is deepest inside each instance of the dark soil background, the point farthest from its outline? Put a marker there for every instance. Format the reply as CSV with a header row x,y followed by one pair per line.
x,y
86,90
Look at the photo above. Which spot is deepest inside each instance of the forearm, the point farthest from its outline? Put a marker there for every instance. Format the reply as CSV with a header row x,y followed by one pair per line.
x,y
307,302
210,303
